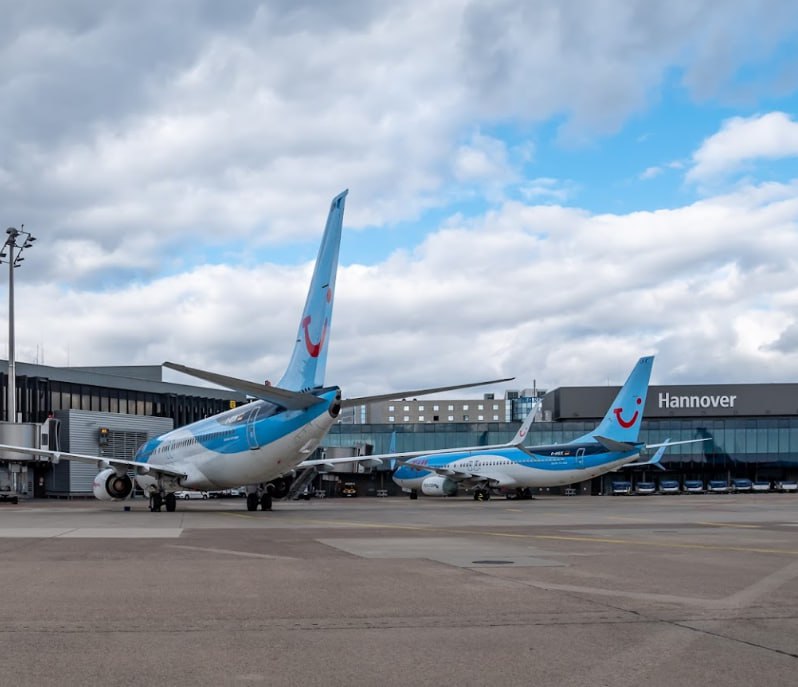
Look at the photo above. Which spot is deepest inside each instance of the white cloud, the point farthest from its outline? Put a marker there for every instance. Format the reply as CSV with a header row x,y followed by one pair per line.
x,y
149,145
547,293
190,121
651,172
741,140
483,158
555,190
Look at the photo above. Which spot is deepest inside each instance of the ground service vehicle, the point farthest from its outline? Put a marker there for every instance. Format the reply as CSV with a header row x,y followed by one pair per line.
x,y
693,486
669,486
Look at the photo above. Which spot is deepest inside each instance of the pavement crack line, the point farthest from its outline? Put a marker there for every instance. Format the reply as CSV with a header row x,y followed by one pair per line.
x,y
738,601
719,635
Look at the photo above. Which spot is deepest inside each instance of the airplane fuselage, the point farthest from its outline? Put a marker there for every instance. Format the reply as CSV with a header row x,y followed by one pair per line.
x,y
250,444
540,466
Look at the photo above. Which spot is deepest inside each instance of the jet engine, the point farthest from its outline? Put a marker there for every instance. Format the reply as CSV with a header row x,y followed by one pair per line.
x,y
109,485
438,486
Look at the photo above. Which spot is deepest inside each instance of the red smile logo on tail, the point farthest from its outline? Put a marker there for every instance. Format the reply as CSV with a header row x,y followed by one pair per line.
x,y
626,424
313,348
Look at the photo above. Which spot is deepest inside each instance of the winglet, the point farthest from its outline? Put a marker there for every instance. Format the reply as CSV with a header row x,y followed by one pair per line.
x,y
523,430
655,459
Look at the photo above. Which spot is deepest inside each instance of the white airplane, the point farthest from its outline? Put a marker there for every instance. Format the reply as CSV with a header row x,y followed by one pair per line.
x,y
260,442
613,444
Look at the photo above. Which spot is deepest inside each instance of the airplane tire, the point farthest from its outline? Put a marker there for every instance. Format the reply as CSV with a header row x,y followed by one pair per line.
x,y
171,502
252,501
413,494
266,501
156,501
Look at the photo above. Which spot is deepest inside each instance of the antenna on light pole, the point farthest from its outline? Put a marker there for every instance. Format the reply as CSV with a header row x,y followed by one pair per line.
x,y
12,254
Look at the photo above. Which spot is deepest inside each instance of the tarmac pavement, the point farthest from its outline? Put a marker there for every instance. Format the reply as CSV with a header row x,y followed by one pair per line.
x,y
653,590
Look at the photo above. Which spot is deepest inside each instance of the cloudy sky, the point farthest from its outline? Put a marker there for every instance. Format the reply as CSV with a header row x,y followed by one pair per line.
x,y
544,189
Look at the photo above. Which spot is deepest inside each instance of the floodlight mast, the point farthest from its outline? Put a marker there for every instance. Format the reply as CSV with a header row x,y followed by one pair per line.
x,y
12,254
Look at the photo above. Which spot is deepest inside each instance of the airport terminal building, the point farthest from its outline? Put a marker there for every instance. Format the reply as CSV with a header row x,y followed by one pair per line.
x,y
751,430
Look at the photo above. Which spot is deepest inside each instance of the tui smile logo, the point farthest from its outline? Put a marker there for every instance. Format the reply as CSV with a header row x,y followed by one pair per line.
x,y
626,424
314,348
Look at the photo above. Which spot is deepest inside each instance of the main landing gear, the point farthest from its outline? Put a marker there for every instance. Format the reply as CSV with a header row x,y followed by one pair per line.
x,y
159,500
522,494
265,501
481,494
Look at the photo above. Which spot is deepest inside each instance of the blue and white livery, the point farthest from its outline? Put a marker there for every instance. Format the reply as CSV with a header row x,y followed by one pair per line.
x,y
255,444
612,445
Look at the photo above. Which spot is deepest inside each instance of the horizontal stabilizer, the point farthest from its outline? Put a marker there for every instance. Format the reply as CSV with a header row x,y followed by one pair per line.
x,y
292,400
349,402
612,445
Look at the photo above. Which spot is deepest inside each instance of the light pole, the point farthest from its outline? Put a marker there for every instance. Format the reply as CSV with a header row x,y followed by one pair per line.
x,y
12,254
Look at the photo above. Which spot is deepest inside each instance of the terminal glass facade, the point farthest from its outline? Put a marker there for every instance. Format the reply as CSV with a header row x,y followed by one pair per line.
x,y
38,397
735,447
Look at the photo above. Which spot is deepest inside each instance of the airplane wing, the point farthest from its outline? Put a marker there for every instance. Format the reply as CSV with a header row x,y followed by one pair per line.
x,y
661,448
101,462
655,459
292,400
347,402
676,443
619,446
366,461
403,456
622,446
374,461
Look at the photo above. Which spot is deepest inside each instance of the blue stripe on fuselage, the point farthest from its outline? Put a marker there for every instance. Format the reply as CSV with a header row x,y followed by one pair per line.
x,y
554,458
235,430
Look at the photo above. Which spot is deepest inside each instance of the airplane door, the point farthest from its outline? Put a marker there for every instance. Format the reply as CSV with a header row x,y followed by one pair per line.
x,y
580,458
252,437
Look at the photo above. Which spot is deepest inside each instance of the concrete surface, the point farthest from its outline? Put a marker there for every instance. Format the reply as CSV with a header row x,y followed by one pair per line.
x,y
654,590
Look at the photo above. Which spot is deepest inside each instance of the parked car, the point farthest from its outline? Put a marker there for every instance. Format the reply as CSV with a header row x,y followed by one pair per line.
x,y
760,486
191,494
619,488
693,486
644,488
739,484
718,486
349,489
669,486
227,493
786,485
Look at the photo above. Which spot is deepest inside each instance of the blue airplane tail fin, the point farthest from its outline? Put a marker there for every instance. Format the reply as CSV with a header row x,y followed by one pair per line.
x,y
309,359
625,415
